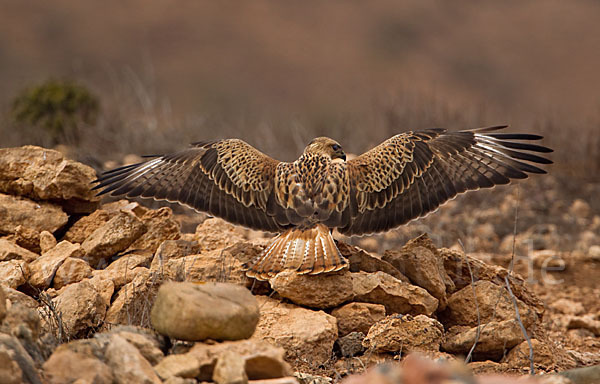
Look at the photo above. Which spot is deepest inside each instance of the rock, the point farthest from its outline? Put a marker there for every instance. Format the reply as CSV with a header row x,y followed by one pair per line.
x,y
494,304
495,338
171,250
127,363
218,311
14,273
357,317
22,322
580,209
568,307
306,378
217,234
85,226
160,226
351,344
593,253
362,261
584,322
545,357
72,270
457,267
105,289
221,265
44,174
47,241
405,334
11,251
229,369
82,308
316,291
134,300
395,295
16,297
36,216
305,335
182,365
2,304
420,261
27,238
44,268
114,236
145,340
125,205
11,346
124,269
90,368
10,372
262,360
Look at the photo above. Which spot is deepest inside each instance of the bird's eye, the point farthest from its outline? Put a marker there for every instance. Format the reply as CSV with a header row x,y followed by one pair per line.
x,y
336,147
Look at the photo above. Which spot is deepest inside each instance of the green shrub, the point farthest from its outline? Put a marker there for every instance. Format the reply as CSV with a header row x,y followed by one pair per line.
x,y
58,108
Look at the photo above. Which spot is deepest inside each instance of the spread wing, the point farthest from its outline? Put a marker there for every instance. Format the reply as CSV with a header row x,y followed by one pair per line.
x,y
411,174
227,178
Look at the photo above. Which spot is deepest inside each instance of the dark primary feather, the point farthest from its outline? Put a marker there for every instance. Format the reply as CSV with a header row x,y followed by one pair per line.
x,y
205,177
436,166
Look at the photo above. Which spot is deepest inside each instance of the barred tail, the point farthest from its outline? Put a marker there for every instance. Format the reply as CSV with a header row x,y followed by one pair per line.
x,y
307,251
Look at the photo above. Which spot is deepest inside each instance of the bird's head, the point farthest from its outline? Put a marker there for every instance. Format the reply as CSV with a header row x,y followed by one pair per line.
x,y
326,146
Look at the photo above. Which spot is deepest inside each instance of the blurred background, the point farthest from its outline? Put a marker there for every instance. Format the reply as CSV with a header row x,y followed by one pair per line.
x,y
119,77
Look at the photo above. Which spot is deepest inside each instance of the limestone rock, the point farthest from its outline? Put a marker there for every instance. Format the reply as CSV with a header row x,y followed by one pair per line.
x,y
360,260
406,334
134,300
568,307
171,250
217,234
146,341
22,321
545,356
420,261
493,301
305,335
128,364
112,237
183,365
10,345
27,238
47,241
37,216
14,273
105,289
11,251
59,369
222,265
585,322
262,360
72,270
229,369
44,268
85,226
44,174
17,297
82,308
124,269
357,317
2,304
218,311
10,372
316,291
397,296
495,337
160,226
457,267
351,344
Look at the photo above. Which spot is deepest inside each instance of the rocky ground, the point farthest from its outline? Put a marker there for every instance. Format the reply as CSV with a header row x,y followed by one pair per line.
x,y
113,291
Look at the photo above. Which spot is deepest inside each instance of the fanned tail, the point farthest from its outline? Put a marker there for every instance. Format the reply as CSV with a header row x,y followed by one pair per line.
x,y
307,251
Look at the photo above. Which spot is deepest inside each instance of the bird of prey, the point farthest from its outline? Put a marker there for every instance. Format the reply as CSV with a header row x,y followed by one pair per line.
x,y
403,178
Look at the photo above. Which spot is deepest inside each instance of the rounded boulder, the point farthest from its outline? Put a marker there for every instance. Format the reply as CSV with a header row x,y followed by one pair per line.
x,y
199,311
